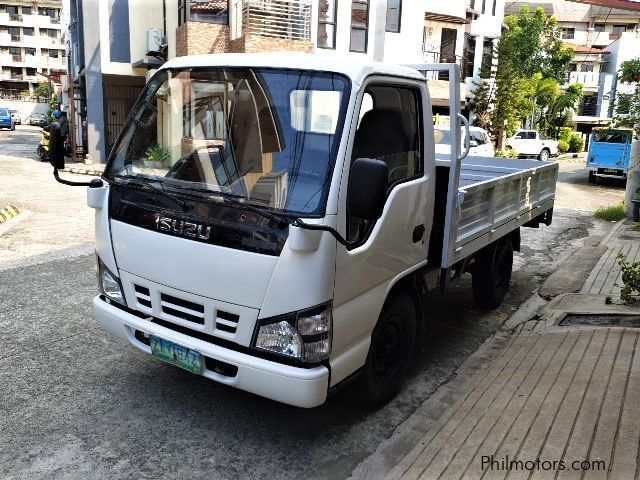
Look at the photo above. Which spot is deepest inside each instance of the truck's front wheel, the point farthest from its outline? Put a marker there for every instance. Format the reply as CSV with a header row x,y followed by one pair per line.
x,y
390,352
492,274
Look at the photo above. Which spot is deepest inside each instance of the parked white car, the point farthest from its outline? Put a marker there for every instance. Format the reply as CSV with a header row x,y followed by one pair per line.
x,y
529,143
479,140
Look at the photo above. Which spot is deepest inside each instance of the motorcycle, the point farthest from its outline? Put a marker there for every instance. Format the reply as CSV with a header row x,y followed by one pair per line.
x,y
43,145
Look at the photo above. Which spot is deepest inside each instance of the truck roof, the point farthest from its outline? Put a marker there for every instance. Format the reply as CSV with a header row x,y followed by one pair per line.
x,y
353,67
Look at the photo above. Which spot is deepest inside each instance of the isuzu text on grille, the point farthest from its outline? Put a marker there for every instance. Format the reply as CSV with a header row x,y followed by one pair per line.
x,y
180,227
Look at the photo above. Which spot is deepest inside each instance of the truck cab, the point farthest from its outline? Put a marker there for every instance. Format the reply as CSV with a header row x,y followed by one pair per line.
x,y
273,222
610,151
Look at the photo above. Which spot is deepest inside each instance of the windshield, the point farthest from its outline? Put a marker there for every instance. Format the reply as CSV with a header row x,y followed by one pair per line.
x,y
3,112
266,136
611,137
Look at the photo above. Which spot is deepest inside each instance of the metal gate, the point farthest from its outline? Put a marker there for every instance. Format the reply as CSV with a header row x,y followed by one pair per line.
x,y
118,101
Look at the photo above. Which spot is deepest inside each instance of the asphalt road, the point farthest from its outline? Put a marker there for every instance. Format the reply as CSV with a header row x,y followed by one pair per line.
x,y
77,403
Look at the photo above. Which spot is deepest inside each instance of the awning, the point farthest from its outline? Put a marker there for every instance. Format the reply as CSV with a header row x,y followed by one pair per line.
x,y
440,17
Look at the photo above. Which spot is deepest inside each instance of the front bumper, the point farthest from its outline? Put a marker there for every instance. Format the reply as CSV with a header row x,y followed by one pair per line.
x,y
301,387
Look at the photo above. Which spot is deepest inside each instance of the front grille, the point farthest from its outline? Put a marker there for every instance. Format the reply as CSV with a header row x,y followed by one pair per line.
x,y
143,296
227,322
184,309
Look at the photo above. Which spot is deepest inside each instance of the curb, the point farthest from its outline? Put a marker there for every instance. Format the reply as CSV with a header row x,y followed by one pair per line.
x,y
82,171
8,212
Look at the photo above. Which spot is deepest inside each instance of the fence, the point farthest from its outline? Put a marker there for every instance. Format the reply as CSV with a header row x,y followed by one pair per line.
x,y
287,19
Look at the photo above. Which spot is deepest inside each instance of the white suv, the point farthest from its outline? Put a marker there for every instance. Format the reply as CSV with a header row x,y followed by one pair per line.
x,y
529,143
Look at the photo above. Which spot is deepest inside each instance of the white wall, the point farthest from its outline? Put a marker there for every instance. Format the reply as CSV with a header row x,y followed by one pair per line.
x,y
406,46
25,108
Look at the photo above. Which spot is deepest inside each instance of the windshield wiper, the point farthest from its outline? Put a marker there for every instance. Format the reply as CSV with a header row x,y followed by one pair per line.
x,y
281,220
157,188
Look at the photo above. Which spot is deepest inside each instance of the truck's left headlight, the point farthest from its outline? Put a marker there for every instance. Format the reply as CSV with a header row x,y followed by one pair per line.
x,y
109,284
303,335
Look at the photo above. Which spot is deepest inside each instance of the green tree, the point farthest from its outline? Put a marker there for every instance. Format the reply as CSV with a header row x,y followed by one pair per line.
x,y
43,90
532,62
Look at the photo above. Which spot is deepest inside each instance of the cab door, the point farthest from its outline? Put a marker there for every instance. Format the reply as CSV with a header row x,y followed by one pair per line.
x,y
390,122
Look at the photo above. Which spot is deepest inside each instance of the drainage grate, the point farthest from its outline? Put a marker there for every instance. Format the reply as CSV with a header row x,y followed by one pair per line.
x,y
606,320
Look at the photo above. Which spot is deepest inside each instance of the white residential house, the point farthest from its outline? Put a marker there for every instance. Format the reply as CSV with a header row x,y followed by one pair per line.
x,y
603,38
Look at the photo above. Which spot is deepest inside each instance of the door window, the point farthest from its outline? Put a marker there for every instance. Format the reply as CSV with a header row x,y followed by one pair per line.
x,y
389,129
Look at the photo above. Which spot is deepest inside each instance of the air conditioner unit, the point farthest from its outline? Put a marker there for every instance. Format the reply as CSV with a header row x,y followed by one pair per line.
x,y
154,41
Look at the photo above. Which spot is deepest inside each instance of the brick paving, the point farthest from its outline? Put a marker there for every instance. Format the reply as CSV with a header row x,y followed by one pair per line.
x,y
536,394
560,397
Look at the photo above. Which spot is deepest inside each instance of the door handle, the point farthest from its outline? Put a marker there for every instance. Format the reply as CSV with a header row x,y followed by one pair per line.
x,y
418,233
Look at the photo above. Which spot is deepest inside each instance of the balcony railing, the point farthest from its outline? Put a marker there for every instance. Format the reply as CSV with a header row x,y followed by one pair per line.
x,y
587,79
15,17
16,76
286,19
588,108
437,57
15,38
55,20
16,58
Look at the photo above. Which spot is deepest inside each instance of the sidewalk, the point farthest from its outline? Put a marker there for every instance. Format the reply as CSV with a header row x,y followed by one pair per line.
x,y
572,157
551,396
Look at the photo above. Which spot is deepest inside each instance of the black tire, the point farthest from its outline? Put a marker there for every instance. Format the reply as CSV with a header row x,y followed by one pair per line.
x,y
492,274
592,177
544,156
390,352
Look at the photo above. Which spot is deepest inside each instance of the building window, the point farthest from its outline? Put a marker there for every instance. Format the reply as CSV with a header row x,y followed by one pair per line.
x,y
327,23
359,26
484,6
26,10
30,51
394,13
619,30
15,51
487,52
31,72
28,31
586,67
568,33
469,55
53,53
15,33
599,27
52,33
12,10
203,11
493,9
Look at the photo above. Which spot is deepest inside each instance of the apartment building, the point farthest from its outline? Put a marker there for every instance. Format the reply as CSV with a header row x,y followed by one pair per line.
x,y
602,37
31,46
115,45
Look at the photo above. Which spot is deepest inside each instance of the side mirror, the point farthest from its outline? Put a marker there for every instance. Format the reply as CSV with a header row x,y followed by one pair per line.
x,y
367,188
56,147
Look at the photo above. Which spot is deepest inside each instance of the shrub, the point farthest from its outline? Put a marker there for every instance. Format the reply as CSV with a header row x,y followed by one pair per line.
x,y
506,153
630,278
565,134
576,143
563,147
612,213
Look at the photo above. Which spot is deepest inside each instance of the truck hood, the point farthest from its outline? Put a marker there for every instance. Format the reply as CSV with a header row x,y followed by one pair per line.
x,y
216,272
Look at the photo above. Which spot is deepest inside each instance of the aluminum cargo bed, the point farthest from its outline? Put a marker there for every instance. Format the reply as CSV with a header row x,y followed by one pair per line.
x,y
496,196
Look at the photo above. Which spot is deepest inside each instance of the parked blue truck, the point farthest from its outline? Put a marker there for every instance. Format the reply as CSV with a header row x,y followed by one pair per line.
x,y
610,152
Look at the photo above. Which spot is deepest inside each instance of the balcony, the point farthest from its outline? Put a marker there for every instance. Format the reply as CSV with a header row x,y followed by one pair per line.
x,y
437,57
588,107
602,39
284,19
587,79
15,17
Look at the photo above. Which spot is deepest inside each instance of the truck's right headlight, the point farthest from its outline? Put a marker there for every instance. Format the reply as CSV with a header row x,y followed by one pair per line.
x,y
109,284
304,335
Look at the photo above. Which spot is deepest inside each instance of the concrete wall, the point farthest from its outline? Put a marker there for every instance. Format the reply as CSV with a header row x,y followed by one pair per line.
x,y
406,46
25,108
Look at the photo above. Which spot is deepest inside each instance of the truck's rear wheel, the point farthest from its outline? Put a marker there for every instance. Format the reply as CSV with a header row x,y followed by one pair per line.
x,y
390,352
544,155
492,274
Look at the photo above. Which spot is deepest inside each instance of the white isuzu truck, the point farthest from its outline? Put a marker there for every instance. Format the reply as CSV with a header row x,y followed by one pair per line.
x,y
273,222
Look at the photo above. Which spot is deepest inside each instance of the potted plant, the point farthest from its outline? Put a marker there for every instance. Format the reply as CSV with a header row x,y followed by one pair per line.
x,y
157,157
